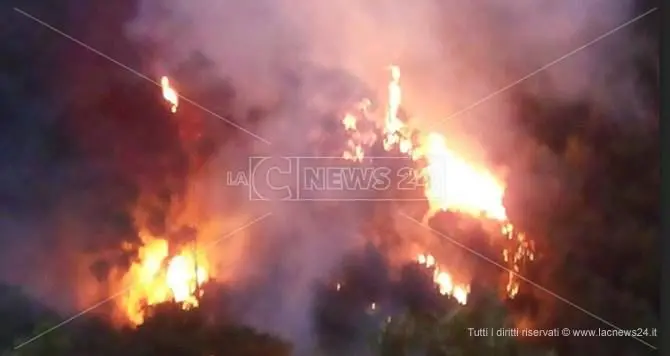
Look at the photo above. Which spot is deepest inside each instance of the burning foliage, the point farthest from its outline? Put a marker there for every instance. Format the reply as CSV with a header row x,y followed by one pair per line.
x,y
450,182
159,276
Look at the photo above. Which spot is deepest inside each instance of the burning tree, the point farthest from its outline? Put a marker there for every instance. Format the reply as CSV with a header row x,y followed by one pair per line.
x,y
450,183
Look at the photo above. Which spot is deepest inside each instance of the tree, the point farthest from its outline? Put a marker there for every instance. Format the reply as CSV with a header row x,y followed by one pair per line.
x,y
168,331
470,330
588,195
21,315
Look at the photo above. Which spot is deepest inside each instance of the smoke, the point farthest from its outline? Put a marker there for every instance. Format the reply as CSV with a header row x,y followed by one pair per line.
x,y
452,53
307,59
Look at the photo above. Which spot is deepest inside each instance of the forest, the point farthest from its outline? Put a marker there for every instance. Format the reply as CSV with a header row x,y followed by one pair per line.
x,y
81,136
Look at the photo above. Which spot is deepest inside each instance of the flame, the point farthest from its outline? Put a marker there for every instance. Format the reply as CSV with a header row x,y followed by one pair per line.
x,y
393,124
158,277
162,272
349,122
182,276
451,183
169,94
354,150
524,250
444,280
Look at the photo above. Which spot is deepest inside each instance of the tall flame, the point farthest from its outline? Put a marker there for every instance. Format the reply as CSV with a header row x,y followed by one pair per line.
x,y
162,272
451,183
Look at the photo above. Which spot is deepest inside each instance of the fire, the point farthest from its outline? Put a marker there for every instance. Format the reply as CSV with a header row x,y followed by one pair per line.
x,y
169,94
182,277
359,138
163,272
392,124
444,280
524,250
158,277
451,183
349,122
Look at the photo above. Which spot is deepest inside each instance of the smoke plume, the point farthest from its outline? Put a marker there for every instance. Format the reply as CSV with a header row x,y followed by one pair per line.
x,y
452,54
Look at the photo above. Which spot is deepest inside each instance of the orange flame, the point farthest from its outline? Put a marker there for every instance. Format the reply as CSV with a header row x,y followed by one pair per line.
x,y
354,150
157,277
170,94
444,280
160,274
451,183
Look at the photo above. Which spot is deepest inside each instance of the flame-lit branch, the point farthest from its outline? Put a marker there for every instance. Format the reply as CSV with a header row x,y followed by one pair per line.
x,y
524,250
